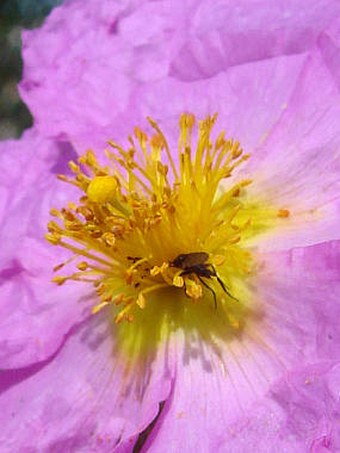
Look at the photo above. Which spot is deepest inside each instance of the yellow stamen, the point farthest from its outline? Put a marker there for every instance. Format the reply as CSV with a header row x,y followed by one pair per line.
x,y
146,208
283,213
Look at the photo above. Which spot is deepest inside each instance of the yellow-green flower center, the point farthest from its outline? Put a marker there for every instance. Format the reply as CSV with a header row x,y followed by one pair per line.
x,y
154,229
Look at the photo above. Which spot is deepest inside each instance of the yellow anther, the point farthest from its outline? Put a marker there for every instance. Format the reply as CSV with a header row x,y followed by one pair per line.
x,y
193,289
234,322
99,307
156,141
124,314
283,213
58,267
140,300
59,280
156,270
82,266
74,167
178,281
54,212
102,189
109,239
53,238
235,239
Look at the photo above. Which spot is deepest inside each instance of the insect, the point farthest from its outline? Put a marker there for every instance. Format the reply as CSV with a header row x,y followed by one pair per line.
x,y
197,263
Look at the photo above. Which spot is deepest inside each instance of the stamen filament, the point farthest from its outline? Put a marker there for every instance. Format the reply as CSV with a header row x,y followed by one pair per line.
x,y
148,207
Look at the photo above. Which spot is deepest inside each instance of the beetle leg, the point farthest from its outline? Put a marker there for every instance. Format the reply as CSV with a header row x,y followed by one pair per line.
x,y
209,288
224,287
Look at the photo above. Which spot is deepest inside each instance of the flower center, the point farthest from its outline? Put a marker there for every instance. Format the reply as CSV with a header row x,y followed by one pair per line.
x,y
152,226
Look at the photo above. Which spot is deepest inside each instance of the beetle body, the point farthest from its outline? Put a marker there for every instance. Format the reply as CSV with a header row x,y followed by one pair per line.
x,y
196,263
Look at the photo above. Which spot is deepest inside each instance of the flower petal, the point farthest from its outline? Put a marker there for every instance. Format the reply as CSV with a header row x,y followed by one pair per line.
x,y
30,304
310,400
89,56
114,63
301,290
227,33
329,45
251,393
249,99
35,316
302,174
83,398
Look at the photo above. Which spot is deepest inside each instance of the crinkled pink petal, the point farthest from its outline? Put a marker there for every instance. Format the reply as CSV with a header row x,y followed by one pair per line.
x,y
300,289
90,57
223,33
298,166
329,45
300,414
215,386
101,56
275,384
34,316
249,99
310,399
83,398
29,167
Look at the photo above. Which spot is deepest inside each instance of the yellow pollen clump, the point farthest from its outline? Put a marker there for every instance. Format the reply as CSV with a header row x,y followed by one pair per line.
x,y
283,213
155,225
101,189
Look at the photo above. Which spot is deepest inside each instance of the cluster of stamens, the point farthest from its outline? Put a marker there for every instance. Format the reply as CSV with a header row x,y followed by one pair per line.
x,y
143,206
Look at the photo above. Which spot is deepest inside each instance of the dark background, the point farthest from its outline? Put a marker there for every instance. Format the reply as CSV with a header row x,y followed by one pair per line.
x,y
14,16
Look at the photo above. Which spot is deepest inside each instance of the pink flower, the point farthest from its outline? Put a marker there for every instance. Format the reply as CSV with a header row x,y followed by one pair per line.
x,y
267,377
